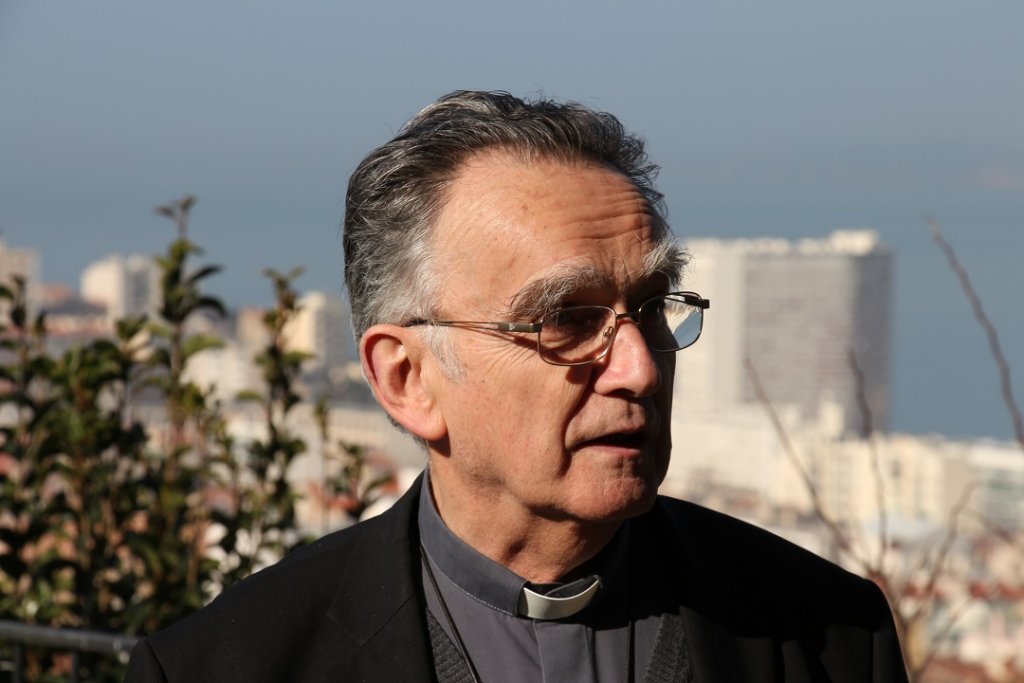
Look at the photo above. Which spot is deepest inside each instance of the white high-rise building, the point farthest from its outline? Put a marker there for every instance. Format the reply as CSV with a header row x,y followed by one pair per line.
x,y
796,311
126,286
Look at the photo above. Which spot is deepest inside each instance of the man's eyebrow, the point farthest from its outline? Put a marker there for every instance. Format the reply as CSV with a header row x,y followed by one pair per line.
x,y
547,293
669,258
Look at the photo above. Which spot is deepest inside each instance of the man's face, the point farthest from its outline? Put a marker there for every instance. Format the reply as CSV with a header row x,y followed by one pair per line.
x,y
588,442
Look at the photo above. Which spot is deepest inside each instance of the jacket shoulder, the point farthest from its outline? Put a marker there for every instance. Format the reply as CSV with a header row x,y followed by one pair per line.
x,y
306,577
282,619
761,568
744,589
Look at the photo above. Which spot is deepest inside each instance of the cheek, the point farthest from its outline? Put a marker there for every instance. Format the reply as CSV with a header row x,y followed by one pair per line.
x,y
532,418
546,409
513,381
511,400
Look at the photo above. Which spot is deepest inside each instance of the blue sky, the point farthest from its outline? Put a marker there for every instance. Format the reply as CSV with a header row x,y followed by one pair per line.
x,y
790,118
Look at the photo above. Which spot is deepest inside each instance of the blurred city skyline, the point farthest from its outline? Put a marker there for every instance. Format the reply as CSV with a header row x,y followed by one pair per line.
x,y
789,119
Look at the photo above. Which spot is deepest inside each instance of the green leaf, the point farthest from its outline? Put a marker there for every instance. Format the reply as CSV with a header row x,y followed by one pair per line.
x,y
201,274
128,328
249,396
212,304
199,342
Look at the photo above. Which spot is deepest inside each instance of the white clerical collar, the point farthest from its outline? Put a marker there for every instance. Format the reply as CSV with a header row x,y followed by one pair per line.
x,y
561,602
495,586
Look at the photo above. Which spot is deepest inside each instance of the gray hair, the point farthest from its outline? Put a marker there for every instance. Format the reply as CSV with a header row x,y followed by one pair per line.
x,y
396,193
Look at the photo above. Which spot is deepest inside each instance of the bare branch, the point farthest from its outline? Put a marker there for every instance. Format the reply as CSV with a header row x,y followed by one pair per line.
x,y
986,324
952,617
1009,538
949,538
838,536
868,434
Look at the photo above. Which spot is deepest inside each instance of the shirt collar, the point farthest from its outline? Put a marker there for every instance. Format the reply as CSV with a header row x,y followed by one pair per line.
x,y
494,585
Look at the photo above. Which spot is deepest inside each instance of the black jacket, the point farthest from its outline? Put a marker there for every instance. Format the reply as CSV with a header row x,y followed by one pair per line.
x,y
349,607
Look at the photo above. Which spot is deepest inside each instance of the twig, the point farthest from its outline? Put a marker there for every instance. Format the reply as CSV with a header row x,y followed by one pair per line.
x,y
840,538
952,617
949,538
1002,533
868,434
986,324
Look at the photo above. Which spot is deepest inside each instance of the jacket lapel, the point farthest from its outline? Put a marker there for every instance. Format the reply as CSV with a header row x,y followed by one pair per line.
x,y
716,654
722,640
379,605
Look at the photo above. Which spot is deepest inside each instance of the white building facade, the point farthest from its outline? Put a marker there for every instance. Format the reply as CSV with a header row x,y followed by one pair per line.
x,y
321,329
796,312
125,286
22,263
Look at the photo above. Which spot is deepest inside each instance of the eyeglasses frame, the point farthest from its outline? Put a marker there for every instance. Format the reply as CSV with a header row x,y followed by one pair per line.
x,y
690,298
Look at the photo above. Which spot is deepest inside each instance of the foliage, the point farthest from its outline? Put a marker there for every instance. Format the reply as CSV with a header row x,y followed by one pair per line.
x,y
75,482
347,480
112,524
265,502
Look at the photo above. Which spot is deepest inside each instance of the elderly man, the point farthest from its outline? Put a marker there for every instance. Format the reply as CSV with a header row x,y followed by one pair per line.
x,y
515,292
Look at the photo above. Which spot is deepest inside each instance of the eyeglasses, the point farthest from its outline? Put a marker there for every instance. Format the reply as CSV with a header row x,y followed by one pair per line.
x,y
578,335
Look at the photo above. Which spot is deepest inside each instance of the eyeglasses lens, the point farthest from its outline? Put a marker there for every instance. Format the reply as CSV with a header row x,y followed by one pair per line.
x,y
580,334
577,334
675,324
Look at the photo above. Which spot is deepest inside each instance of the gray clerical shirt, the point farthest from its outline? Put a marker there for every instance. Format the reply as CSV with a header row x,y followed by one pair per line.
x,y
593,646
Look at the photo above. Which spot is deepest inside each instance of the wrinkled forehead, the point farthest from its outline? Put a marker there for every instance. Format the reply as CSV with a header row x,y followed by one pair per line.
x,y
513,231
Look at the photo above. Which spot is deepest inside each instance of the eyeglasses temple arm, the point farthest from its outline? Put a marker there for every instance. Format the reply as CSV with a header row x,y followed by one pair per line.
x,y
480,325
695,300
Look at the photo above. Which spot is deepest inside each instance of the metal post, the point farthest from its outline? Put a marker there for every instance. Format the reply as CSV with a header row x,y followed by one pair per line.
x,y
19,663
74,641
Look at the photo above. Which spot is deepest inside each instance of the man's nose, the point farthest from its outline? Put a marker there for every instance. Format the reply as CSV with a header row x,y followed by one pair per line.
x,y
630,365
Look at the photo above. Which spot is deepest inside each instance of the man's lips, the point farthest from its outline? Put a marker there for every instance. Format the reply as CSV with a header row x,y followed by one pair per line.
x,y
633,437
631,441
637,426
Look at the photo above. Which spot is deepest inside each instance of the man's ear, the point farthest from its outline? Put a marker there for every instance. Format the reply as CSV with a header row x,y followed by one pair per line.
x,y
393,363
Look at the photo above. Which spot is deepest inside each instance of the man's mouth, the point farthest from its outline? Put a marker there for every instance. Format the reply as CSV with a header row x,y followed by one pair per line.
x,y
631,440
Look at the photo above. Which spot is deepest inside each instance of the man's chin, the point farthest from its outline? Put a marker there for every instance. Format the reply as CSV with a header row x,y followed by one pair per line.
x,y
620,502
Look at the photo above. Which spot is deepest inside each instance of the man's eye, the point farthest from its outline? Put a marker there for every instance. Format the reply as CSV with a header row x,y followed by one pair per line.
x,y
655,306
577,321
